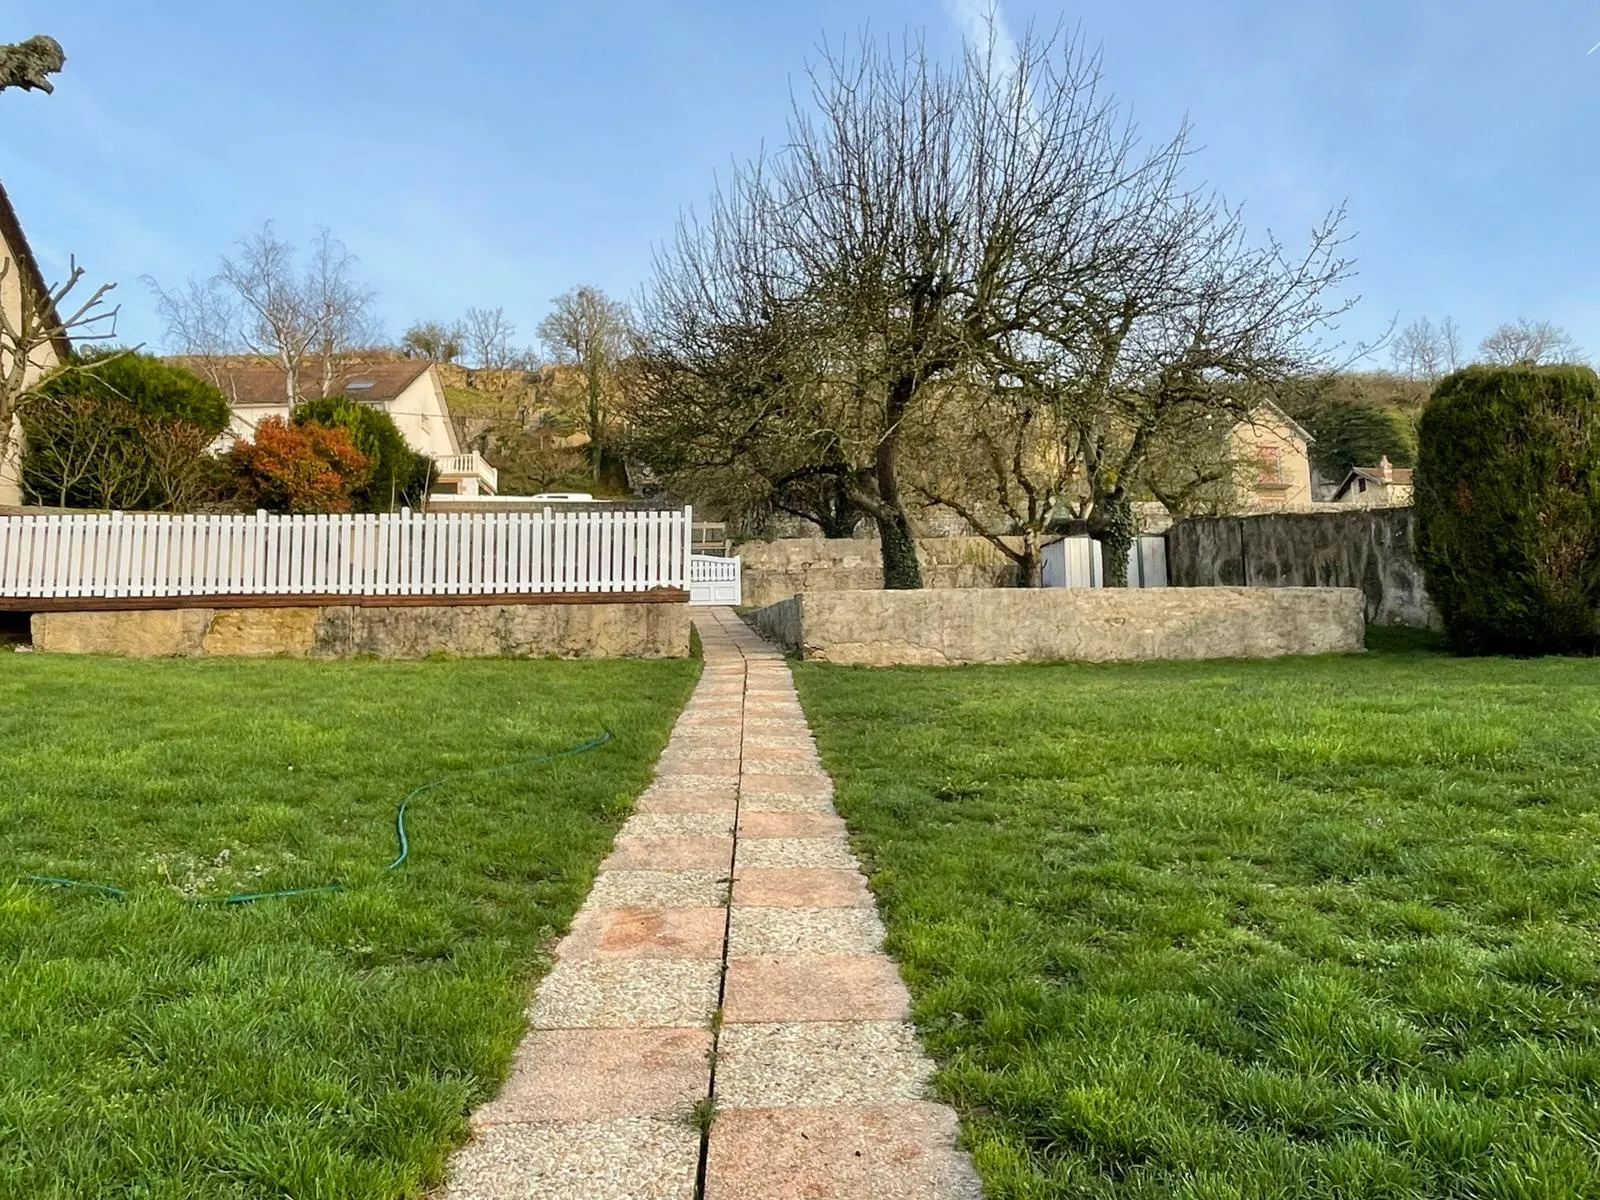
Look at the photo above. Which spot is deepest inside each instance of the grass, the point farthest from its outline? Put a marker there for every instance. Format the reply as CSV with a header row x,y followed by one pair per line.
x,y
318,1047
1307,928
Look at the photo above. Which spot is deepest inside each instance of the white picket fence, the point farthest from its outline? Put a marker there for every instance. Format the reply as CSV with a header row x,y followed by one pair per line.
x,y
378,554
715,579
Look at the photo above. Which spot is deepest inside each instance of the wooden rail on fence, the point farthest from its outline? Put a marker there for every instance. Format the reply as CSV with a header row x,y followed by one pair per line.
x,y
327,557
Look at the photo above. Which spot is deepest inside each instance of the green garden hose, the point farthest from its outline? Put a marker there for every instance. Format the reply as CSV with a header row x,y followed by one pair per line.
x,y
402,841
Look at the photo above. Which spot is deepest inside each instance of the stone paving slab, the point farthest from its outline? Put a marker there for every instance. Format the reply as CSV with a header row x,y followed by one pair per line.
x,y
669,854
814,987
687,800
795,852
770,800
758,932
810,1063
871,1152
646,933
634,1158
602,1074
715,823
658,889
800,887
804,824
595,993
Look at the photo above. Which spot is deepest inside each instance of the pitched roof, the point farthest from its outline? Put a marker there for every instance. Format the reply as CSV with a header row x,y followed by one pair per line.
x,y
1398,477
255,384
17,242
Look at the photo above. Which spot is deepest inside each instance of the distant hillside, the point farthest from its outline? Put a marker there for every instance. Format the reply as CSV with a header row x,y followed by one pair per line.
x,y
530,425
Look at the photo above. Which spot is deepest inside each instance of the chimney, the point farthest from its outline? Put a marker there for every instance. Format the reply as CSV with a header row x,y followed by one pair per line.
x,y
1385,471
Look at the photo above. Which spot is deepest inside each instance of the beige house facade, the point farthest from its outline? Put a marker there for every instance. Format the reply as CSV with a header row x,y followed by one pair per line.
x,y
22,272
1273,451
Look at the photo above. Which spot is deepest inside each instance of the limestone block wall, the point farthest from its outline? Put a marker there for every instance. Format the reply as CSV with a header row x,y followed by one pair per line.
x,y
787,566
1370,549
339,631
937,628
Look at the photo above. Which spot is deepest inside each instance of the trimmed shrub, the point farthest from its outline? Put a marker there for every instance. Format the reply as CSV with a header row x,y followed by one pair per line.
x,y
1508,508
119,429
303,468
398,475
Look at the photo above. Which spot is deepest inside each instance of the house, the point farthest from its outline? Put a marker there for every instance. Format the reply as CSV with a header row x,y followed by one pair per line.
x,y
22,273
1382,486
1274,453
408,390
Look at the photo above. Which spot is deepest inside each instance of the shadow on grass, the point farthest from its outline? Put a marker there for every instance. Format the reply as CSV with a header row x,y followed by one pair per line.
x,y
1401,641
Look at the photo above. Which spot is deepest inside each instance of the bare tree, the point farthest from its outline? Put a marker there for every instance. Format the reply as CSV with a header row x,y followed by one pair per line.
x,y
41,331
1425,351
28,65
433,340
1531,343
279,318
488,336
986,248
341,306
200,319
587,329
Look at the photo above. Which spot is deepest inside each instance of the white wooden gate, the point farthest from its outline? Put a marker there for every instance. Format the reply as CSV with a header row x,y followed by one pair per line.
x,y
714,579
116,555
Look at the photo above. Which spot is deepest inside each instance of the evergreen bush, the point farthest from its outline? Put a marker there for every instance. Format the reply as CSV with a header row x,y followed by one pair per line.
x,y
1508,508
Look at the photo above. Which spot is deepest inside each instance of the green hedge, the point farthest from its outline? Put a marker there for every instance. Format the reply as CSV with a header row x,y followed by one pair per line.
x,y
1508,508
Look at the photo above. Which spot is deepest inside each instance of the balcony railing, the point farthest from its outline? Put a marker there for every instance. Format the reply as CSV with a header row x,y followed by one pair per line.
x,y
452,467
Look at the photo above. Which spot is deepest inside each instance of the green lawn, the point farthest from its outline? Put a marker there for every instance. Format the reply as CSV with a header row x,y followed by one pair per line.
x,y
321,1047
1314,928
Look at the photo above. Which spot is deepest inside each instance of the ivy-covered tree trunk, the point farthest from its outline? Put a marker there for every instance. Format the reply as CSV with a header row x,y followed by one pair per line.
x,y
1116,529
901,570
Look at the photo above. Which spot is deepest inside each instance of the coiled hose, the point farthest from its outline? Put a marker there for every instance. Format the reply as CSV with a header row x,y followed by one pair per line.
x,y
402,841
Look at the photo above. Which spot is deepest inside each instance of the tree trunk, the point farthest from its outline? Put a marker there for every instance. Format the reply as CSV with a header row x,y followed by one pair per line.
x,y
596,451
1116,531
901,570
1030,566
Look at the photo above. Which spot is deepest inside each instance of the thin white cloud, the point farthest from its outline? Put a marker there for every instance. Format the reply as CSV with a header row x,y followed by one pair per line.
x,y
983,27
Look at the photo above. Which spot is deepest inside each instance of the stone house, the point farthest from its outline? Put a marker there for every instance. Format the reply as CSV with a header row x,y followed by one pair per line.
x,y
22,273
1382,486
1274,454
408,390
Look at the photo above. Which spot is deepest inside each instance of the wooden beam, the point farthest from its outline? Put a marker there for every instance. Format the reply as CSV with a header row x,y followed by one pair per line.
x,y
152,603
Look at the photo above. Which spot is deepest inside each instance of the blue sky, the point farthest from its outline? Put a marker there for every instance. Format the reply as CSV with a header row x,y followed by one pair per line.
x,y
496,153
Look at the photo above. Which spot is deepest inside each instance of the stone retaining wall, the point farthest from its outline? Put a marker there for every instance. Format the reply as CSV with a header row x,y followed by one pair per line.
x,y
936,628
1368,549
788,566
341,631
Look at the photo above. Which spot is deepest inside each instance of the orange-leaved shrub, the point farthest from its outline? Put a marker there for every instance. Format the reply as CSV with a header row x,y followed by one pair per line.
x,y
298,468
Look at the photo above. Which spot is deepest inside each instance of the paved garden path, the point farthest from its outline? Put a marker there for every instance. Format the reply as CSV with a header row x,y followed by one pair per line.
x,y
818,1083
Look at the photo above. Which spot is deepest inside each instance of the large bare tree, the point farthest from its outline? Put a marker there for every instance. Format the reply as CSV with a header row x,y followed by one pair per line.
x,y
1005,301
38,331
1531,343
260,301
488,336
587,329
340,306
1426,352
